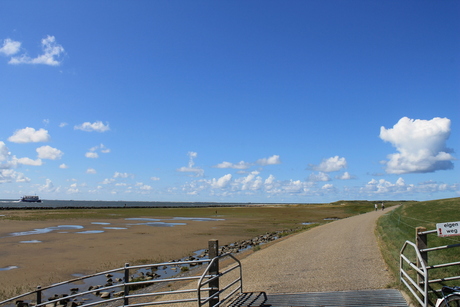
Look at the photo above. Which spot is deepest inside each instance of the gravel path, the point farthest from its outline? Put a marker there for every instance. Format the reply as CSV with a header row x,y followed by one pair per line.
x,y
342,255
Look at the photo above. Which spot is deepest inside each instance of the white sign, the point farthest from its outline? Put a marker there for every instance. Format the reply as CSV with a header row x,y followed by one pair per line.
x,y
448,229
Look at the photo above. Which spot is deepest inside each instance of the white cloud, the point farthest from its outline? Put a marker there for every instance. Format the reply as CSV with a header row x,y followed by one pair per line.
x,y
91,171
4,152
96,126
222,182
48,152
28,161
421,146
92,155
61,125
321,176
10,175
275,159
122,175
108,181
145,187
332,164
63,166
239,165
51,52
29,135
154,178
190,168
10,47
48,187
344,176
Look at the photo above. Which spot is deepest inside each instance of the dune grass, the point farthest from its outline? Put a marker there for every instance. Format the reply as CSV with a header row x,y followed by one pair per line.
x,y
399,225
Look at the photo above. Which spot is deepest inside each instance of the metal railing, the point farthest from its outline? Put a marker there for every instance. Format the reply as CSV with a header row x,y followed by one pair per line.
x,y
145,287
420,286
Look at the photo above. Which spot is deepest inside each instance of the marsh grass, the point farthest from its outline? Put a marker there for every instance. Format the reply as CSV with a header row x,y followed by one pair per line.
x,y
399,225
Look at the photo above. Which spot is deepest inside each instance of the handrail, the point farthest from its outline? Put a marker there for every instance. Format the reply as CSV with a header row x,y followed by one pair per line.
x,y
132,299
422,268
423,272
202,282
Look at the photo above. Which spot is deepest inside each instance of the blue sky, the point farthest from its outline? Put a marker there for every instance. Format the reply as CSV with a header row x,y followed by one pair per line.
x,y
230,101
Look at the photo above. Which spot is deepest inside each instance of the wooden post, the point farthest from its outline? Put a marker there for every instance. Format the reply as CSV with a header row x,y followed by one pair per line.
x,y
126,290
421,243
39,295
213,247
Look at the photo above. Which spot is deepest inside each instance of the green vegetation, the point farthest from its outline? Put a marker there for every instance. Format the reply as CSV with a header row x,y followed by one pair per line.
x,y
399,225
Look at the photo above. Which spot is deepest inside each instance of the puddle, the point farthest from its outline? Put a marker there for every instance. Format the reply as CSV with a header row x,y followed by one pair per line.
x,y
309,223
115,228
31,241
198,219
159,224
90,231
142,219
100,223
45,230
8,268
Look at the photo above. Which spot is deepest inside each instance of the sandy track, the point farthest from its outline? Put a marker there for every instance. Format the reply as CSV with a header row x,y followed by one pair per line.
x,y
342,255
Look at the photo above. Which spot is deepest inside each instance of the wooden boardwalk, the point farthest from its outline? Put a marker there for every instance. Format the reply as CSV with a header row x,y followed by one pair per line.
x,y
368,298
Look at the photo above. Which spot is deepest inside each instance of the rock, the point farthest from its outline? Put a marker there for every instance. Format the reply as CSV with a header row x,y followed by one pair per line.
x,y
105,295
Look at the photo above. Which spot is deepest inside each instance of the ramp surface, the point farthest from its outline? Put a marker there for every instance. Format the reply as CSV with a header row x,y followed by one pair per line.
x,y
368,298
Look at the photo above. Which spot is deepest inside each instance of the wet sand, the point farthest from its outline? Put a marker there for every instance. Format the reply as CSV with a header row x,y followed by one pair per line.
x,y
59,254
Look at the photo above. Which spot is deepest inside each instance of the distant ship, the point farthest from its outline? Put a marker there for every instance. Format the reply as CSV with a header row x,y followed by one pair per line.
x,y
31,199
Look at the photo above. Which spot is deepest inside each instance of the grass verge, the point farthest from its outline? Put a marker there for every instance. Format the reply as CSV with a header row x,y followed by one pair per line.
x,y
399,225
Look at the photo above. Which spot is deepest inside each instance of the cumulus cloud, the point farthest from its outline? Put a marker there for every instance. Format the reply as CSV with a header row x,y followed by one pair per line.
x,y
51,53
10,175
48,152
321,176
145,187
421,146
63,166
122,175
10,47
332,164
239,165
29,135
48,187
91,171
96,126
190,168
344,176
4,152
275,159
92,155
28,161
222,182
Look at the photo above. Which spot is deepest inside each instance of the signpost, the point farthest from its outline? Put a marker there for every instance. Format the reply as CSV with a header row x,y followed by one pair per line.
x,y
448,229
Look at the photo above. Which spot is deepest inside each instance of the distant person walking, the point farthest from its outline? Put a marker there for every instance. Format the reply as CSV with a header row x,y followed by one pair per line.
x,y
375,206
383,207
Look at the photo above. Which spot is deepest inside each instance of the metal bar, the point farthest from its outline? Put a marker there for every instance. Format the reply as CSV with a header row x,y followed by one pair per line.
x,y
413,292
412,265
443,265
160,303
439,247
444,279
428,232
414,284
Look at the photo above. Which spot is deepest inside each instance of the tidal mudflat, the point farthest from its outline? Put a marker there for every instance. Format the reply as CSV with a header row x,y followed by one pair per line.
x,y
41,247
